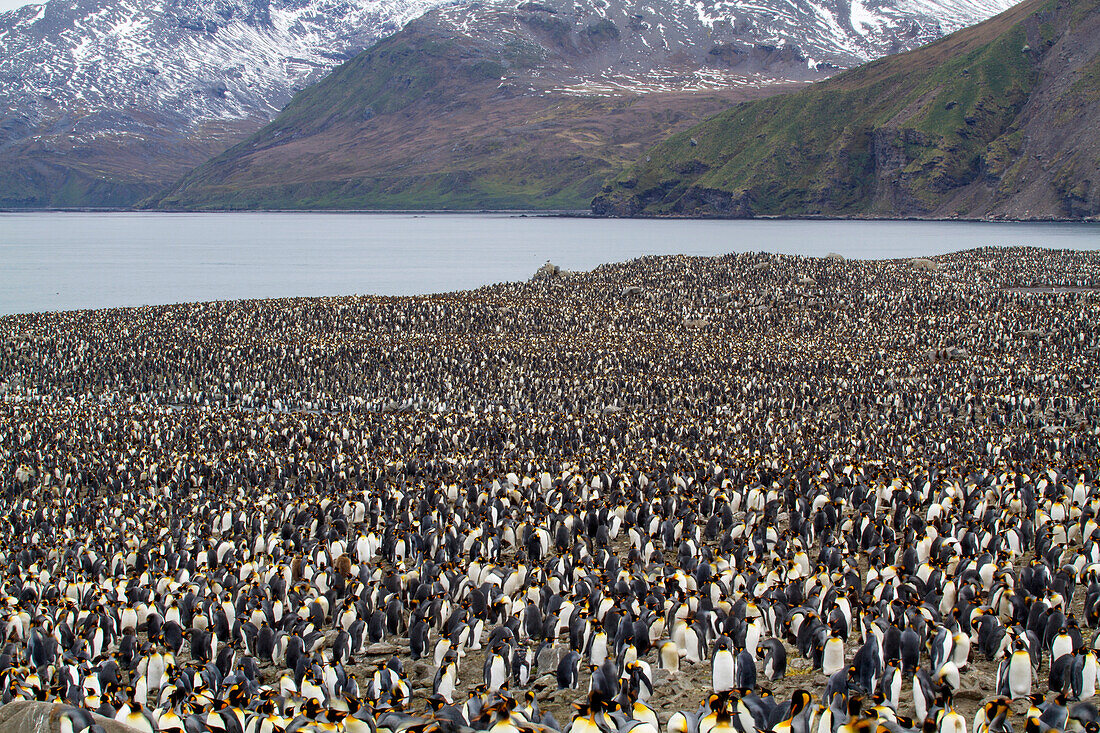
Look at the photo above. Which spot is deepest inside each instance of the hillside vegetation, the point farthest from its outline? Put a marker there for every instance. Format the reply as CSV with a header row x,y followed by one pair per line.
x,y
996,120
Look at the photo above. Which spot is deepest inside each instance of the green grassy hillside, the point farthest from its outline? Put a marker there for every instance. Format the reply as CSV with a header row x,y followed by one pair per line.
x,y
945,130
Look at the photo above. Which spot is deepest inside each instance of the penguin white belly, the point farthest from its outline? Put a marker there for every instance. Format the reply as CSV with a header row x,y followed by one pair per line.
x,y
679,637
752,637
311,689
599,649
952,722
1088,676
961,654
155,672
475,634
497,673
893,690
1063,645
920,699
1019,675
691,646
447,686
441,648
129,620
723,671
670,656
832,660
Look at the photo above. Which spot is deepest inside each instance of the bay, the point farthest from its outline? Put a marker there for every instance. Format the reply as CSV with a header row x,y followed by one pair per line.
x,y
66,261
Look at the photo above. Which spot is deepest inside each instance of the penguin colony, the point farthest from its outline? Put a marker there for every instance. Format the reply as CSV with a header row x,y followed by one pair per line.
x,y
744,494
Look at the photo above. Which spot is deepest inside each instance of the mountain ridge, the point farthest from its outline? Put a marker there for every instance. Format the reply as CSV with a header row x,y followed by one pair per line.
x,y
992,122
122,98
82,83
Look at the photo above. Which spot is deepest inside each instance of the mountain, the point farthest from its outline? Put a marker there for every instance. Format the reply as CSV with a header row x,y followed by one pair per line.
x,y
103,102
532,104
995,121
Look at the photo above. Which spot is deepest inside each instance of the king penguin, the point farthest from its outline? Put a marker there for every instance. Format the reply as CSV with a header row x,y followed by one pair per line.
x,y
723,667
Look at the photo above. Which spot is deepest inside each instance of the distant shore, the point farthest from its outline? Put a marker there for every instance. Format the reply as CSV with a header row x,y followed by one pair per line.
x,y
567,213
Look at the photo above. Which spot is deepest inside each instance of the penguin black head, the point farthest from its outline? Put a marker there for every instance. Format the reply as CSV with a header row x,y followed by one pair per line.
x,y
800,700
312,708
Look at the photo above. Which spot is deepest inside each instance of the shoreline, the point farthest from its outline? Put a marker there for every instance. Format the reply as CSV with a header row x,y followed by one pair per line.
x,y
559,213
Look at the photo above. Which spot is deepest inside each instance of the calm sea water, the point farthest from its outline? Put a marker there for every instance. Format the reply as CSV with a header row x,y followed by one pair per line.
x,y
63,261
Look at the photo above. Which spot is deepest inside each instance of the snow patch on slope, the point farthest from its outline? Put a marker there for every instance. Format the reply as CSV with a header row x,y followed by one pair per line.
x,y
199,61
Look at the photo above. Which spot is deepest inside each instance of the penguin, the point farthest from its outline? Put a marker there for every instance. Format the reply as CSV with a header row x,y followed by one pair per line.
x,y
341,648
639,681
137,717
796,720
642,712
1083,672
669,657
1061,673
74,720
693,648
265,642
682,721
857,725
993,717
940,647
442,646
1054,713
568,672
947,678
951,722
910,651
1014,674
604,681
960,654
496,667
419,634
723,666
746,670
774,658
172,635
521,667
170,720
832,658
866,667
598,646
1061,645
891,687
446,678
922,694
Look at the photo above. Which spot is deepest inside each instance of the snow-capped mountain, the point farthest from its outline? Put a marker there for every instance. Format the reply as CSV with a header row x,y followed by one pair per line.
x,y
193,60
670,45
197,75
205,60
